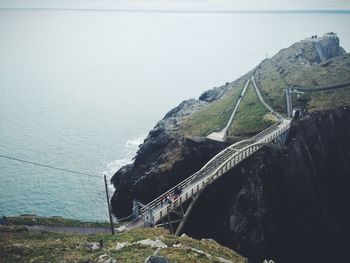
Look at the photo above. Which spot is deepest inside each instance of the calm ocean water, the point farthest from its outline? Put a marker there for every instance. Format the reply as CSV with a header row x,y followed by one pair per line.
x,y
81,90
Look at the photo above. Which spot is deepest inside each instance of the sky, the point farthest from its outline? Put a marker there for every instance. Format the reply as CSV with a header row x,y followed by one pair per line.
x,y
195,5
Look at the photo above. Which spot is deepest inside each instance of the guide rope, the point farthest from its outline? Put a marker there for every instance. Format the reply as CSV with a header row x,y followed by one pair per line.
x,y
48,166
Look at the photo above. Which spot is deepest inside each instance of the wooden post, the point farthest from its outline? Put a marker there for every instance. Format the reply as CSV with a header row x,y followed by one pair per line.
x,y
109,207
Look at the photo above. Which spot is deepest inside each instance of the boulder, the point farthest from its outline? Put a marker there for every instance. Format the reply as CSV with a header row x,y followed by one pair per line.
x,y
121,245
151,243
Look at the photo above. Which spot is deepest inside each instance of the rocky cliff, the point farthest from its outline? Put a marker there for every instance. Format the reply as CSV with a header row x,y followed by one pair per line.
x,y
290,203
284,203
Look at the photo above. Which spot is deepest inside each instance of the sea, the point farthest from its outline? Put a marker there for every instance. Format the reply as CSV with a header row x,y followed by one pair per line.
x,y
80,89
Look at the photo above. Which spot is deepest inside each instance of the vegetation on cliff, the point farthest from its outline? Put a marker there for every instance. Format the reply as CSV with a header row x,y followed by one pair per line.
x,y
251,117
17,244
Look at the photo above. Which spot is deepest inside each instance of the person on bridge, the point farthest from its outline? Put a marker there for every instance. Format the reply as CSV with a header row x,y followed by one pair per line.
x,y
168,198
163,199
177,192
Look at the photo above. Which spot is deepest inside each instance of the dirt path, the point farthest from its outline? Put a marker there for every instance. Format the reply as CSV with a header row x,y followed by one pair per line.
x,y
69,230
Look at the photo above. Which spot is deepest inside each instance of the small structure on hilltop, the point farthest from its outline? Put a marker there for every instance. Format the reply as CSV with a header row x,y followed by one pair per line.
x,y
330,34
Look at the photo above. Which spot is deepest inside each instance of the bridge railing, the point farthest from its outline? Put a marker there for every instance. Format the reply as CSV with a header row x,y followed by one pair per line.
x,y
236,158
157,201
197,176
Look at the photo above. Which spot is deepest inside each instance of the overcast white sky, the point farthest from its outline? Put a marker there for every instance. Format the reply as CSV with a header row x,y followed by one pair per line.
x,y
181,4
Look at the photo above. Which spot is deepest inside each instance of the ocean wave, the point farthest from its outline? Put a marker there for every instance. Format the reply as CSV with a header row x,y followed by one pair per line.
x,y
134,143
130,148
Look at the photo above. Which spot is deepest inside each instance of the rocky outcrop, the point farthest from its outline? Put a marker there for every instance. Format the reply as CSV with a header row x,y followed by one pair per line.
x,y
328,47
163,160
215,93
288,204
163,153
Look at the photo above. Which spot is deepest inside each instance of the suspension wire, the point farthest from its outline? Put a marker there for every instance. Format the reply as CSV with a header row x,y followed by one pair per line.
x,y
56,168
48,166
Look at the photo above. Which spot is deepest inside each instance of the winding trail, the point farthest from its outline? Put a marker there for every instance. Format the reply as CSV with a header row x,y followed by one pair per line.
x,y
257,91
221,135
69,230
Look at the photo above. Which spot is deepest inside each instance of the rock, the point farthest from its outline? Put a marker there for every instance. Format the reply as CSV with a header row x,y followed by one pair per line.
x,y
89,246
156,259
183,235
103,256
121,229
120,246
95,246
213,94
151,243
145,242
179,245
328,47
223,260
158,244
184,109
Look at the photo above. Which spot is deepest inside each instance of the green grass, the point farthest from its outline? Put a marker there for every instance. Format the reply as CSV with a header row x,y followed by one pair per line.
x,y
272,88
213,117
18,245
283,70
273,76
328,99
251,117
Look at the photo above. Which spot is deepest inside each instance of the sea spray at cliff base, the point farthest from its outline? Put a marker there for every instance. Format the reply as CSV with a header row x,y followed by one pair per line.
x,y
130,149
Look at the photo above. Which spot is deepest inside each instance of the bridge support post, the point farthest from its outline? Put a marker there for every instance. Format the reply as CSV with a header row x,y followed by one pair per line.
x,y
289,102
282,138
170,224
189,208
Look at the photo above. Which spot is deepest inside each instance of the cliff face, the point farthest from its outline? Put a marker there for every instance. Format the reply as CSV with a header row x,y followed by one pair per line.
x,y
148,178
287,203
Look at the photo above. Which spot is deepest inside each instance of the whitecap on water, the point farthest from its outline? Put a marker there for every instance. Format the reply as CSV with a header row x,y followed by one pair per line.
x,y
132,145
130,148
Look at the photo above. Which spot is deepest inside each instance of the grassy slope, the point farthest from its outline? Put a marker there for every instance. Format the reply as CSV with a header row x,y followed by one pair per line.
x,y
273,82
214,116
250,117
272,87
272,76
22,246
329,99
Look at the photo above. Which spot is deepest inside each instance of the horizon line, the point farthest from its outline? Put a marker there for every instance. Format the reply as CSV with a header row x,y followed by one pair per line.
x,y
123,10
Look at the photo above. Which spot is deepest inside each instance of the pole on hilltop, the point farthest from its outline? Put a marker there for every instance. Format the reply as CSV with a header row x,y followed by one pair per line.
x,y
109,207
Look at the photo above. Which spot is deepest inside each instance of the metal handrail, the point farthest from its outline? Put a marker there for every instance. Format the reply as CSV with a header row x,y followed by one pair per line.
x,y
255,146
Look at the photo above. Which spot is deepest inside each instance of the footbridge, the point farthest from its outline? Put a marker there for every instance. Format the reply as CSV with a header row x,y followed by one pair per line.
x,y
175,213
